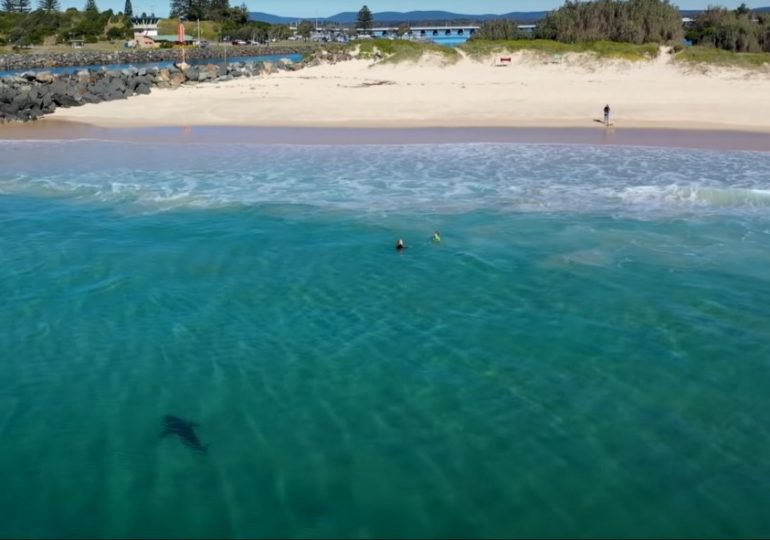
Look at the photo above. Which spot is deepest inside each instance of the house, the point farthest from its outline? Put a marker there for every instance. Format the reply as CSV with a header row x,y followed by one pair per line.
x,y
145,26
144,42
172,38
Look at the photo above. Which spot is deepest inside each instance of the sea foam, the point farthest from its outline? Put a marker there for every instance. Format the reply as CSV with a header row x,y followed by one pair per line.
x,y
446,178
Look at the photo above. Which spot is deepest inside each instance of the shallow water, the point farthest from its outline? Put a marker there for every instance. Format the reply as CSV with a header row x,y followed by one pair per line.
x,y
584,354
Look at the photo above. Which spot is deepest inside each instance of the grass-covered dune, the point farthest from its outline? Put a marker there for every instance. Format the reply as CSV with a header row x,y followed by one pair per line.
x,y
396,51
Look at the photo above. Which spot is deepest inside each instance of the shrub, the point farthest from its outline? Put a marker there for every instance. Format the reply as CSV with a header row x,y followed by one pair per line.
x,y
632,21
116,32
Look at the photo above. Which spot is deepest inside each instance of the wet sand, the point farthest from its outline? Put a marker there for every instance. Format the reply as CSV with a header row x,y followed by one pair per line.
x,y
49,129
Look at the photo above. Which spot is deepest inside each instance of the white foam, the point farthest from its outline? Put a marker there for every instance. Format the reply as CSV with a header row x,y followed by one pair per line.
x,y
409,178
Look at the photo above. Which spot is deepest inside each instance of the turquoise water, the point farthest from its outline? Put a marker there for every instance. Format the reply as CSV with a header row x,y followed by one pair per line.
x,y
585,354
451,41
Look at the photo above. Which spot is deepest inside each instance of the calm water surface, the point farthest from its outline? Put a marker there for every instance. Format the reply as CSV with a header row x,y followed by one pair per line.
x,y
586,353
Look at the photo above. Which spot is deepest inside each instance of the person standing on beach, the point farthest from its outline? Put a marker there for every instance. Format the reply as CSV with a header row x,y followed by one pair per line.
x,y
606,115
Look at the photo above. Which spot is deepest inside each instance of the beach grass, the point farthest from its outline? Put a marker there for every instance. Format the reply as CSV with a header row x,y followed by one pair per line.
x,y
719,57
399,50
606,49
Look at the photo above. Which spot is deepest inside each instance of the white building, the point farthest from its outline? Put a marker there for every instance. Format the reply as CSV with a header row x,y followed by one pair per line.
x,y
145,26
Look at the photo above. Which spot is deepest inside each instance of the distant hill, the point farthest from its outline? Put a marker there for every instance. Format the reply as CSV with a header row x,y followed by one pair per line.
x,y
431,17
272,19
391,17
692,13
395,17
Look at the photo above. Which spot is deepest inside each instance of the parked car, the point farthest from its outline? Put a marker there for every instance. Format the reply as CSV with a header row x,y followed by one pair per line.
x,y
238,42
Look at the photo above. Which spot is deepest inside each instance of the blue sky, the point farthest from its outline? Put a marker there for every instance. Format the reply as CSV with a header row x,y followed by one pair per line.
x,y
322,8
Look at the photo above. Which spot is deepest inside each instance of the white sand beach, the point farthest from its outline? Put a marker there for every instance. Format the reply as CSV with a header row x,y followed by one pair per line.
x,y
533,91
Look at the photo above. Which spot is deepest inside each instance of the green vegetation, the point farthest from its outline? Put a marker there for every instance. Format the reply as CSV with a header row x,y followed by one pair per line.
x,y
624,29
365,20
712,56
504,29
396,51
49,26
279,32
8,22
16,6
42,26
605,49
209,29
736,31
210,10
631,21
49,6
305,28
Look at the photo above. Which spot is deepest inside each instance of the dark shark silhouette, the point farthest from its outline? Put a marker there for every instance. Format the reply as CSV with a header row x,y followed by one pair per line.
x,y
173,425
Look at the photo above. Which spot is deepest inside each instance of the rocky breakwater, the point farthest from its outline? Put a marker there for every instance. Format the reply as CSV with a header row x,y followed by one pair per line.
x,y
9,62
32,95
29,96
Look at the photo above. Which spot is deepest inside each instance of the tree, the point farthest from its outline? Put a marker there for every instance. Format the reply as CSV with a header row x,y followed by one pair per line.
x,y
128,11
279,32
305,28
497,29
742,10
632,21
729,30
365,20
190,9
218,10
16,6
49,6
91,6
116,32
174,8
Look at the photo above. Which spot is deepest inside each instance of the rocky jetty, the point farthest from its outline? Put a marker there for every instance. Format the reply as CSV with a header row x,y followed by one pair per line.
x,y
13,62
31,95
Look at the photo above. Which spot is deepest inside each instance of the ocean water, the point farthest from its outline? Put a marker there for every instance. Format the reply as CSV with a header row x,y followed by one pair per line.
x,y
586,353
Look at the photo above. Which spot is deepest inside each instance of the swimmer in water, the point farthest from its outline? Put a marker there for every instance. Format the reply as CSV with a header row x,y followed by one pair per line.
x,y
400,245
436,237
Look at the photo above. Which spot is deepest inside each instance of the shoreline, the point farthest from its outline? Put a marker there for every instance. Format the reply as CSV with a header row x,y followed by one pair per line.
x,y
531,92
729,140
533,100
